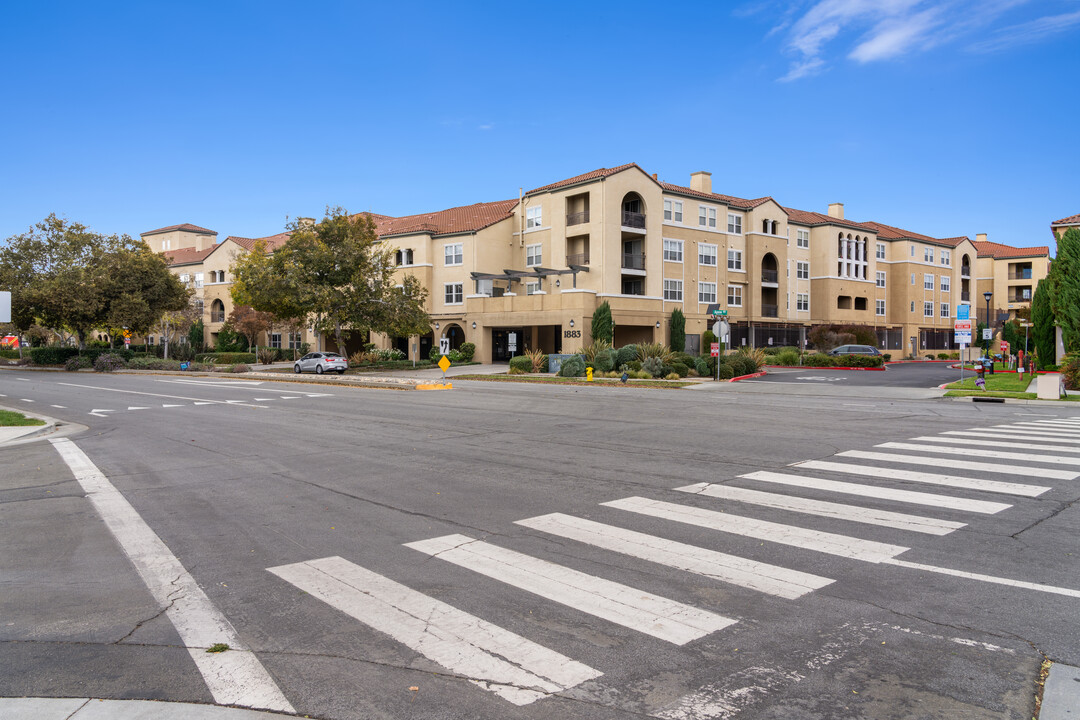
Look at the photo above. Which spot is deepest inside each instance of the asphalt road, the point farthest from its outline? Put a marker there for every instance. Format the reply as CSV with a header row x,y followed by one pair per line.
x,y
915,375
238,477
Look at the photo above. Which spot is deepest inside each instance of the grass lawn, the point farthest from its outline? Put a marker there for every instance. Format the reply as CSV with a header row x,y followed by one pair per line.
x,y
1003,382
9,418
573,381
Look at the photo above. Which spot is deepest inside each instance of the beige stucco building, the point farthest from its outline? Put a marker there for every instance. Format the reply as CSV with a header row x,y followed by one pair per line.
x,y
528,272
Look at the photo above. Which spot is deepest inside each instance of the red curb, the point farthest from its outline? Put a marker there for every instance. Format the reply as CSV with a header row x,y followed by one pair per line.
x,y
820,367
897,362
747,377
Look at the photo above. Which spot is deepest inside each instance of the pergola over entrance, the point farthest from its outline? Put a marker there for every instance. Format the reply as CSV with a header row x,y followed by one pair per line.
x,y
512,276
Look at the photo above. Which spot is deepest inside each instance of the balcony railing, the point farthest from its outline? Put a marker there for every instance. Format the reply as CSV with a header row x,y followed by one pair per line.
x,y
769,276
1020,275
577,259
633,219
769,310
965,297
217,316
965,271
633,261
577,218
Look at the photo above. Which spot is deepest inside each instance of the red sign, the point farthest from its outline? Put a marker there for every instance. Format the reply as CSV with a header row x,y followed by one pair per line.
x,y
9,341
962,326
1004,346
714,350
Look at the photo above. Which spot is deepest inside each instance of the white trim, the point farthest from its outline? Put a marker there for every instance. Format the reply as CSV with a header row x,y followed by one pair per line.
x,y
633,297
845,279
536,229
579,290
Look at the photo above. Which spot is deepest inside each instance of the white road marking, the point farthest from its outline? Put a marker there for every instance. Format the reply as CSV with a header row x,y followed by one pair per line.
x,y
235,677
973,452
825,542
854,513
58,407
1019,470
1059,423
319,394
949,502
994,486
168,406
100,412
136,407
139,392
26,400
987,578
636,609
290,397
515,669
217,383
1064,430
1007,435
998,443
208,402
759,576
264,399
1028,430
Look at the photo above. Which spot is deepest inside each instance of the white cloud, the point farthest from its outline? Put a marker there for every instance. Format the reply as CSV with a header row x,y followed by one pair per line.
x,y
1026,33
893,37
803,69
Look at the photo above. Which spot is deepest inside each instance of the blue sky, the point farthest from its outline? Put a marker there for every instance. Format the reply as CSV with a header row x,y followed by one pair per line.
x,y
947,118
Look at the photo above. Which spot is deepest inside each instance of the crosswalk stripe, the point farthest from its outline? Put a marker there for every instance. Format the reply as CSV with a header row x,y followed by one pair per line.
x,y
1064,423
1047,426
997,443
1063,432
1006,434
949,502
968,464
855,513
994,486
759,576
638,610
825,542
1068,592
497,660
973,452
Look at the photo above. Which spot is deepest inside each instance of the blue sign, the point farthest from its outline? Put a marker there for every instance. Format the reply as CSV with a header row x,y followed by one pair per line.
x,y
183,366
963,312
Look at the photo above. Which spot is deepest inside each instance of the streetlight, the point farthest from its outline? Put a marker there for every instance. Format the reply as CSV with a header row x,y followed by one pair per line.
x,y
986,296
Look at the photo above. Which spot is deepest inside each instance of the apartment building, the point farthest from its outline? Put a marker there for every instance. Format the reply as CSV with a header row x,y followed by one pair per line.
x,y
528,272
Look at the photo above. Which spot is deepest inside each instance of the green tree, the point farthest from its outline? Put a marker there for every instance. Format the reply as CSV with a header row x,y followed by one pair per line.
x,y
602,327
1065,289
197,335
1042,319
678,330
1012,333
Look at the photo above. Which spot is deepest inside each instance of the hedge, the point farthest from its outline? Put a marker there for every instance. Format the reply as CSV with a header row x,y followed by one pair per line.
x,y
520,364
226,358
52,355
9,353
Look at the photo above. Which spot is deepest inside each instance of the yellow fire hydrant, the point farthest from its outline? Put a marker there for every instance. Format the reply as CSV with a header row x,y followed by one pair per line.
x,y
588,374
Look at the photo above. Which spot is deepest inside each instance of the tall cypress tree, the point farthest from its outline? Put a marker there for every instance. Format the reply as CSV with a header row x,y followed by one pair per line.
x,y
601,324
1065,299
1042,319
678,330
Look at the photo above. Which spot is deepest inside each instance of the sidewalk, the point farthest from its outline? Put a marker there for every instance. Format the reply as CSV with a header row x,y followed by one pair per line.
x,y
90,709
12,435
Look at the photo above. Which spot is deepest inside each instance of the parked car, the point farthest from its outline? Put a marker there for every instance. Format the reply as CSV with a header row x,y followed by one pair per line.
x,y
855,350
320,362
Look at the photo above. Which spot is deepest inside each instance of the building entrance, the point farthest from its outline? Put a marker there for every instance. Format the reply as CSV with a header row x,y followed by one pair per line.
x,y
500,343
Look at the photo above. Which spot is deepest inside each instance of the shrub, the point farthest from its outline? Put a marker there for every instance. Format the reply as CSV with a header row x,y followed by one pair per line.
x,y
434,354
266,355
78,362
590,350
605,359
52,355
454,356
943,356
685,358
9,353
742,364
789,356
757,355
640,375
230,341
672,376
226,358
239,368
394,355
888,356
108,362
819,360
634,365
627,354
1070,371
467,351
680,369
520,365
701,364
654,366
572,367
653,350
726,371
707,339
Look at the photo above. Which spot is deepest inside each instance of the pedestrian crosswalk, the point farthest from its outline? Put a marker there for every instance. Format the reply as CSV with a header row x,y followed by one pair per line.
x,y
971,483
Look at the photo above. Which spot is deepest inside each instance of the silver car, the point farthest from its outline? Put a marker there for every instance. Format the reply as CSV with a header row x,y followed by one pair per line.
x,y
321,362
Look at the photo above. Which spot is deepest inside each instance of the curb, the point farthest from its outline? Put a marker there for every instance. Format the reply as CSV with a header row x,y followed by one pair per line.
x,y
747,377
33,431
822,367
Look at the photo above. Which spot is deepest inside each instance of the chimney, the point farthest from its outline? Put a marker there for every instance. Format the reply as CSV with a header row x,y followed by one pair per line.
x,y
654,177
980,237
701,181
836,210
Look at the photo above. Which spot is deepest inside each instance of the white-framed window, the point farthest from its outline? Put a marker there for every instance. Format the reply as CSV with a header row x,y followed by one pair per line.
x,y
294,341
534,255
946,282
706,292
706,254
672,289
734,296
928,281
802,271
734,224
453,294
928,309
673,210
734,259
881,251
185,278
534,217
404,257
880,279
275,340
802,238
198,280
802,302
879,307
928,255
946,257
453,254
673,250
706,216
531,288
944,309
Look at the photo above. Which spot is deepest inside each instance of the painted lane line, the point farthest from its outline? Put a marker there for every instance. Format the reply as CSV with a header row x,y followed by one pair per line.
x,y
854,513
3,395
515,669
638,610
58,407
138,407
290,397
207,402
987,578
1006,435
973,452
100,412
26,400
994,486
1019,470
166,405
218,383
831,543
751,574
139,392
319,394
264,399
949,502
235,677
998,443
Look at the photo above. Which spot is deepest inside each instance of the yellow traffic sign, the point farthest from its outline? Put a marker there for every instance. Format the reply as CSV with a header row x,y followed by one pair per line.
x,y
444,364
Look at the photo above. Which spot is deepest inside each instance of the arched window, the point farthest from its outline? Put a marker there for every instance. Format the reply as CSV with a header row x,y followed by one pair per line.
x,y
217,311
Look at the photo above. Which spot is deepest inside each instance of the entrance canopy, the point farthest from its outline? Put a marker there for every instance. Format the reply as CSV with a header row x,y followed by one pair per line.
x,y
512,276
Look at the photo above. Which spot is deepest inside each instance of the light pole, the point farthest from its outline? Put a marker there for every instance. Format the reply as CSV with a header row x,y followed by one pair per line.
x,y
987,295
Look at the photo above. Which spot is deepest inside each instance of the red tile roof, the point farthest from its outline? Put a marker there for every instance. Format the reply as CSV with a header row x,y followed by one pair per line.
x,y
729,200
806,217
187,256
585,177
1071,220
273,242
467,218
1001,252
187,227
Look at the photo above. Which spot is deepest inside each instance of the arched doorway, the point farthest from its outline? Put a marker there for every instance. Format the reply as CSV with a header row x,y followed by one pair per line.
x,y
454,334
770,279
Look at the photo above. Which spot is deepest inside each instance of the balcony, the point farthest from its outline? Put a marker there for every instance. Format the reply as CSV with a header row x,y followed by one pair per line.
x,y
770,276
965,271
1020,274
965,297
216,317
633,261
578,218
633,220
769,311
577,259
